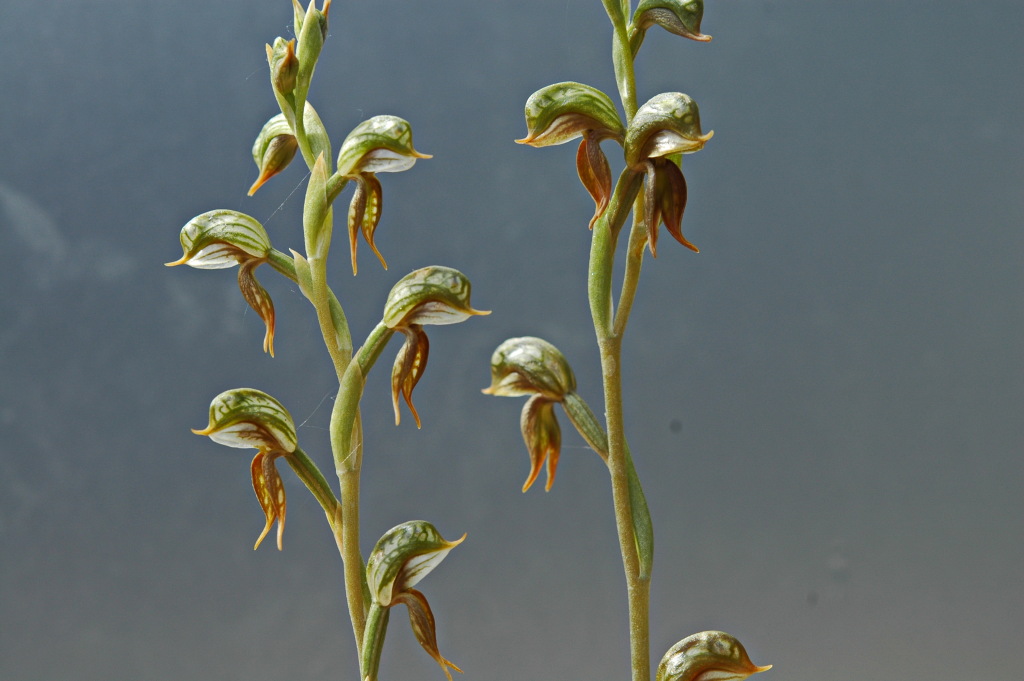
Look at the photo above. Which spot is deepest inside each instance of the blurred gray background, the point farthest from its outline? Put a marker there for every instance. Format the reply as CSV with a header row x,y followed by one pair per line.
x,y
825,404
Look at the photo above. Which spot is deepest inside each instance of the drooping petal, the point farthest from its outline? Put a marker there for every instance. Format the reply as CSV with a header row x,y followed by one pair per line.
x,y
269,488
409,367
422,621
364,214
543,437
671,190
706,656
592,167
430,295
258,299
652,208
402,557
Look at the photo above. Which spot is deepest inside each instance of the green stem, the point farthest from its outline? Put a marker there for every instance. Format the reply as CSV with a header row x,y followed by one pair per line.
x,y
347,445
373,644
623,477
631,515
622,54
634,262
314,480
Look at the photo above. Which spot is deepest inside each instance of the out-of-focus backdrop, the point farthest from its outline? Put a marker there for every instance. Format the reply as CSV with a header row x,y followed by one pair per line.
x,y
825,404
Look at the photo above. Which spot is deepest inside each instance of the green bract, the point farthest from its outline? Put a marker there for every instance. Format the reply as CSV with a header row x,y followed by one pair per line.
x,y
528,366
402,557
667,124
564,111
431,295
249,418
382,144
707,655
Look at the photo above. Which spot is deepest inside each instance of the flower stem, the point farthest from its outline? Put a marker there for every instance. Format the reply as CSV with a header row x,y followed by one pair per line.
x,y
627,498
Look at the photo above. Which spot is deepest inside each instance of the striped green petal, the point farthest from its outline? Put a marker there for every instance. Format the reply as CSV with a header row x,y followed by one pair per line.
x,y
249,418
666,124
222,238
382,144
431,295
402,557
707,655
564,111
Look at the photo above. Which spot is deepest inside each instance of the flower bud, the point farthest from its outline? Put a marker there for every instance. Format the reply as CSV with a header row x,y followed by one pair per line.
x,y
667,124
284,66
528,366
681,17
273,150
431,295
707,655
222,238
311,35
402,557
249,418
382,144
564,111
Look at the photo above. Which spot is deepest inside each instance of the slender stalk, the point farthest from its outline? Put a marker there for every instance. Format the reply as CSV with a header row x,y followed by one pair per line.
x,y
609,327
634,262
347,445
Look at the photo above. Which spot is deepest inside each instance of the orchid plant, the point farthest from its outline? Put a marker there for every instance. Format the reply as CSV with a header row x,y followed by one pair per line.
x,y
653,137
651,185
252,419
